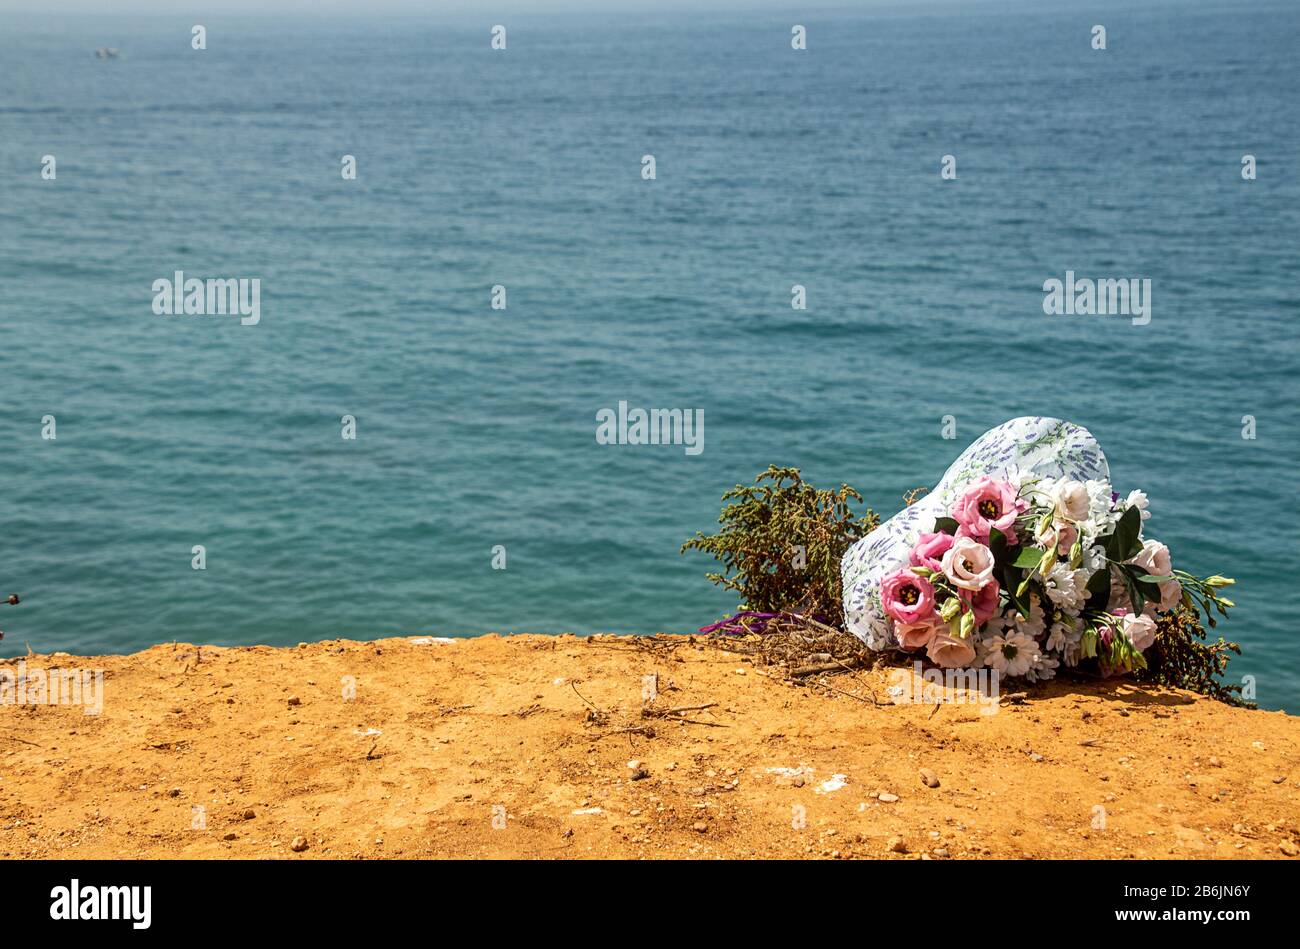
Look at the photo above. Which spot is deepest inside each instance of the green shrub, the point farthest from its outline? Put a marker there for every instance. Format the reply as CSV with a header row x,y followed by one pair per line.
x,y
1180,657
781,543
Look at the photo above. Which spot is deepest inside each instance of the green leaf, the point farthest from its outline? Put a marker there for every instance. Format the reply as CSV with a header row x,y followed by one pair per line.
x,y
998,545
1011,586
1150,591
1124,544
1147,578
1028,557
1099,590
945,525
1134,594
1133,577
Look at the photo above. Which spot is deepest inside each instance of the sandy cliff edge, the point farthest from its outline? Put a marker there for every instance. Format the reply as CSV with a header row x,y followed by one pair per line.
x,y
520,747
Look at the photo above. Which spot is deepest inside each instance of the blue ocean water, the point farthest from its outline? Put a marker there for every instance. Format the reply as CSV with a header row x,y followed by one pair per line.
x,y
522,168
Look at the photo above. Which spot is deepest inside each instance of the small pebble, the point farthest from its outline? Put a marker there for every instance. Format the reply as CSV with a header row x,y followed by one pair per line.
x,y
888,798
299,844
897,845
294,700
700,827
929,778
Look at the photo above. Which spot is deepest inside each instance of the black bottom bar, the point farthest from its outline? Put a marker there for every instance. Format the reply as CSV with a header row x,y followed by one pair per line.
x,y
336,899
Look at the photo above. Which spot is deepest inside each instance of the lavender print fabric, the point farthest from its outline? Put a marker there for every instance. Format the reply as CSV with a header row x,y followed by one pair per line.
x,y
1043,447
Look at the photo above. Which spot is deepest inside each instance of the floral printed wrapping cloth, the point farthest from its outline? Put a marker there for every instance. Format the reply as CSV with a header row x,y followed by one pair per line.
x,y
1042,447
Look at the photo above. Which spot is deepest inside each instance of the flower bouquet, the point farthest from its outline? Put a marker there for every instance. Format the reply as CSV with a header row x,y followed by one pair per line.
x,y
1023,561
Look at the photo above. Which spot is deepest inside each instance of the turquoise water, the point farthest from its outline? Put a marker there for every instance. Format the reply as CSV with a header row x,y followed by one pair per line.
x,y
476,426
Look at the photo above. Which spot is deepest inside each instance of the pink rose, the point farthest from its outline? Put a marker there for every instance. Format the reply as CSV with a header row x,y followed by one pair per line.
x,y
986,505
983,604
1061,533
1071,500
968,564
906,597
1155,560
1171,593
950,652
1140,630
929,550
914,636
1067,536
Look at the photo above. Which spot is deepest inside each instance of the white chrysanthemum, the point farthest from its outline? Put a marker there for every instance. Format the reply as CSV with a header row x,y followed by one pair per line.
x,y
1103,513
1139,500
1032,625
1061,635
1043,668
1067,588
1099,495
1011,653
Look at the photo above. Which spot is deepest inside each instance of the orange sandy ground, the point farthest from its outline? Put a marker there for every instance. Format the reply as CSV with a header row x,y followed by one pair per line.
x,y
484,748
